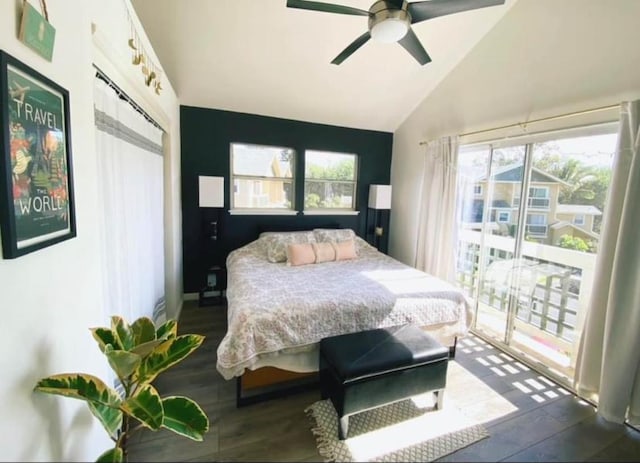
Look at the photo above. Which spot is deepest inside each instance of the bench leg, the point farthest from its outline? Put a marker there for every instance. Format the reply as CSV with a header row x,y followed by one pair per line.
x,y
439,396
344,427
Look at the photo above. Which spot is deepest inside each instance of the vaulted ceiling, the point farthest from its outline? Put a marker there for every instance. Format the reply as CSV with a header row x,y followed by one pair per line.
x,y
260,57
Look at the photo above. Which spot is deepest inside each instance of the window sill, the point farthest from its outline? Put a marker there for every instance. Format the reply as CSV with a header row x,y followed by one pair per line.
x,y
261,212
330,212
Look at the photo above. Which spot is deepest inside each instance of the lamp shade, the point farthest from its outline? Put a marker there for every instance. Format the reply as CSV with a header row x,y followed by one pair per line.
x,y
380,196
211,191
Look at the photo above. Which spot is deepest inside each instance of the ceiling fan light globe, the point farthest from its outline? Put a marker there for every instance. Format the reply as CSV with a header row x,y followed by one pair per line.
x,y
389,31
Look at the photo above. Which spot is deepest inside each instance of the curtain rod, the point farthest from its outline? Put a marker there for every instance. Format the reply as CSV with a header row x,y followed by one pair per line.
x,y
543,119
121,93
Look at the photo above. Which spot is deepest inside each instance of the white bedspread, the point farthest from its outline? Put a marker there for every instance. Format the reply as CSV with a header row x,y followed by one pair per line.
x,y
274,308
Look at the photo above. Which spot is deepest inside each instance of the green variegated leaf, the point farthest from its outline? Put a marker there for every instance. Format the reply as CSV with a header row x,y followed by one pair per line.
x,y
166,355
114,455
143,331
122,362
146,407
185,417
111,418
103,401
167,330
145,349
105,336
122,331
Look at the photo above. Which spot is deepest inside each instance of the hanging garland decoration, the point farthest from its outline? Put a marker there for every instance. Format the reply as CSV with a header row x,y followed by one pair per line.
x,y
139,57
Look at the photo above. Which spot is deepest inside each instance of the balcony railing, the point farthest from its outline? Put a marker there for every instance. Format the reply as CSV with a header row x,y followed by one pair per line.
x,y
550,285
534,203
537,230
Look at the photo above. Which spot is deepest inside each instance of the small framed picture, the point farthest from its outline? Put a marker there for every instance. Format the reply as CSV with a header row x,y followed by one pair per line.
x,y
36,204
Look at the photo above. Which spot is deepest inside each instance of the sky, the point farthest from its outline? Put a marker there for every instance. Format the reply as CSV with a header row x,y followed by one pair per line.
x,y
594,149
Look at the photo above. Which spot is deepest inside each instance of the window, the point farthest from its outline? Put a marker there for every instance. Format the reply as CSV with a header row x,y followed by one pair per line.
x,y
538,198
537,224
330,181
539,192
504,216
477,190
262,177
578,219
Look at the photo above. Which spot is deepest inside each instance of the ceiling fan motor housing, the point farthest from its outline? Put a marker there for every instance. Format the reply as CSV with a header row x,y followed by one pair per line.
x,y
387,22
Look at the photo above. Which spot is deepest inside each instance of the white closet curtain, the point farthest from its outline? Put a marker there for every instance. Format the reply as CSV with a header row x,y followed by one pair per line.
x,y
130,176
437,236
608,363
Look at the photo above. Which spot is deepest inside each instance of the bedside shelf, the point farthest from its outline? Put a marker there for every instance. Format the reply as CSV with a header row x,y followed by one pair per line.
x,y
213,292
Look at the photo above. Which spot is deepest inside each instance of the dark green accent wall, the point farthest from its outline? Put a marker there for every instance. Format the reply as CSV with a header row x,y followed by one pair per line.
x,y
206,135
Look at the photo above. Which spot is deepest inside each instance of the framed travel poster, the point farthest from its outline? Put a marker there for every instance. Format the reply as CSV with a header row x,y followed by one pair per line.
x,y
36,203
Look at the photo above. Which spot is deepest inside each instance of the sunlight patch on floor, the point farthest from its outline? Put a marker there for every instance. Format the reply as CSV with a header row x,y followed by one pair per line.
x,y
410,432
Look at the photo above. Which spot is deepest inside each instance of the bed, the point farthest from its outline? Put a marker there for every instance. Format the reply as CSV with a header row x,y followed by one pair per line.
x,y
279,309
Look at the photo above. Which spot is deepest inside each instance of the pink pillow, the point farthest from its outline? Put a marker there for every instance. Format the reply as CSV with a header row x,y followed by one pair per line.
x,y
345,249
325,252
300,254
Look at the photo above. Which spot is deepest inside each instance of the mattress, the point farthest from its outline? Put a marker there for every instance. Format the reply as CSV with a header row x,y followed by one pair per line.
x,y
277,313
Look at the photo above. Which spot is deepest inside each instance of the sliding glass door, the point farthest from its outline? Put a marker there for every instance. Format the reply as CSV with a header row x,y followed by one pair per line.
x,y
531,214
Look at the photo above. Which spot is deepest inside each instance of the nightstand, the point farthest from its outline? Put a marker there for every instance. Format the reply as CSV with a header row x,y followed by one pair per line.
x,y
213,293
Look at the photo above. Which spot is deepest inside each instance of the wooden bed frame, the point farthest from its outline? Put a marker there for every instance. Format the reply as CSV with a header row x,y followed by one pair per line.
x,y
269,383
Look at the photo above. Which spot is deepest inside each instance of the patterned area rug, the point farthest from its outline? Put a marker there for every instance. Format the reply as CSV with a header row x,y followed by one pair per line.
x,y
410,430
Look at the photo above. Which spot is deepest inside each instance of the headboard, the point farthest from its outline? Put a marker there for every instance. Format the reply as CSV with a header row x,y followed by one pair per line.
x,y
265,227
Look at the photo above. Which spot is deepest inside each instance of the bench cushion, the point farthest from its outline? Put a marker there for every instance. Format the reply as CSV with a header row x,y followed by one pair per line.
x,y
356,356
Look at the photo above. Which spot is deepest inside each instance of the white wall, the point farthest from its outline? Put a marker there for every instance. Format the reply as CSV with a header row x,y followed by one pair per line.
x,y
50,298
544,58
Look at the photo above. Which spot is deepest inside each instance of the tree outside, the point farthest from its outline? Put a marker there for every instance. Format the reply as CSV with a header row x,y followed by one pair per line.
x,y
331,185
576,243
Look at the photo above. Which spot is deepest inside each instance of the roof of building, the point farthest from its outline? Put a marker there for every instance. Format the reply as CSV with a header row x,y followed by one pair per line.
x,y
495,204
514,173
564,223
577,209
252,163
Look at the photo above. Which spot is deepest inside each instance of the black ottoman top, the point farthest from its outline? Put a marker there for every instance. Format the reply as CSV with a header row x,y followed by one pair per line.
x,y
373,352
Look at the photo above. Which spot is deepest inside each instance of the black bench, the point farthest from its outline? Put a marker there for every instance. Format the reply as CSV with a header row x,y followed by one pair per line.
x,y
367,369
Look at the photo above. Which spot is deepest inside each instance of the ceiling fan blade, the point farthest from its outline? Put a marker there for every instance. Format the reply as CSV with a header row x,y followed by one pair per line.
x,y
325,7
421,11
357,43
411,43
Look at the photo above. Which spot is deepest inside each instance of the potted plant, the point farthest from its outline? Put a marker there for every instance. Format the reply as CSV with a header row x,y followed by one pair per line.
x,y
137,353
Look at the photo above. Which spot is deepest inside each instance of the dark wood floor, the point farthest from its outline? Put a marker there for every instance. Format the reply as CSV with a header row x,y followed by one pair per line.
x,y
529,418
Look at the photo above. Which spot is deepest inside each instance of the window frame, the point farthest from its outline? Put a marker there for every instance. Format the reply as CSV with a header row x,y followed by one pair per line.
x,y
353,210
257,210
546,189
508,220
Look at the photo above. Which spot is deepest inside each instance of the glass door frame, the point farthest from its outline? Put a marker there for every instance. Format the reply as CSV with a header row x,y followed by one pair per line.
x,y
528,141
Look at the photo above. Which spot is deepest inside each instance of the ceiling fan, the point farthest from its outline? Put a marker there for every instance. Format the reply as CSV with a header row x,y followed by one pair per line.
x,y
390,20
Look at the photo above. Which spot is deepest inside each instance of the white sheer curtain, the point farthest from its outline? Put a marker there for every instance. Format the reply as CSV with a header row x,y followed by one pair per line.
x,y
130,175
437,237
608,363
